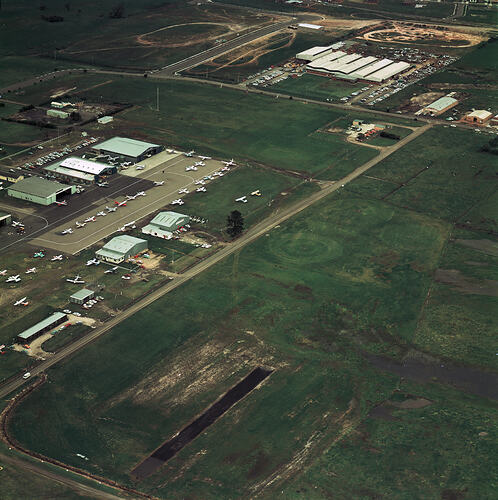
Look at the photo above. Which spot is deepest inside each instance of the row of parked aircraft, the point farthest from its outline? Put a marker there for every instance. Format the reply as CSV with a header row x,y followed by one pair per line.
x,y
243,199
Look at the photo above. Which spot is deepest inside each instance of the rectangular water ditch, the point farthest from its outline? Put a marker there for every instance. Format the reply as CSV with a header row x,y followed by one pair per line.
x,y
187,434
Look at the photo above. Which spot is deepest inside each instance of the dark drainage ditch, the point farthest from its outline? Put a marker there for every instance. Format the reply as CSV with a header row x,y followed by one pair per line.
x,y
174,445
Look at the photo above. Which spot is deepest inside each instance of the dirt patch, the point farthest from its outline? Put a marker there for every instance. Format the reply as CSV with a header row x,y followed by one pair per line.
x,y
35,350
422,34
382,412
153,262
486,246
426,98
464,284
411,404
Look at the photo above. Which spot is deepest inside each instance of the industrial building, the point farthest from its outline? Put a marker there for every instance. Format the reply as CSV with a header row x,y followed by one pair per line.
x,y
314,53
352,67
79,170
165,223
81,296
5,218
130,149
478,117
439,106
121,248
57,113
41,191
41,327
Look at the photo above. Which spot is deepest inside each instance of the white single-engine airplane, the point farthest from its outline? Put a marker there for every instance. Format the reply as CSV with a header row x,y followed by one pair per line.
x,y
158,183
90,219
21,301
230,163
112,270
56,257
189,154
140,193
179,201
183,191
16,224
256,193
204,157
242,199
101,214
192,167
3,273
30,270
202,189
76,279
110,209
61,203
67,231
92,261
80,224
15,279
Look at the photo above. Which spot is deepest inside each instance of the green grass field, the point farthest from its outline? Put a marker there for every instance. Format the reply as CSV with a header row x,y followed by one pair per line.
x,y
316,87
447,189
346,276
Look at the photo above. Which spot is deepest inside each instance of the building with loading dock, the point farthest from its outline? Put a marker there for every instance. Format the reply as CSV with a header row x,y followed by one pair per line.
x,y
41,327
41,191
130,149
165,223
121,248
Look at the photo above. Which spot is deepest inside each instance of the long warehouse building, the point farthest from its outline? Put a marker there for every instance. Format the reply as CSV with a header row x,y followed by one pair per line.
x,y
80,170
355,67
128,148
41,327
41,191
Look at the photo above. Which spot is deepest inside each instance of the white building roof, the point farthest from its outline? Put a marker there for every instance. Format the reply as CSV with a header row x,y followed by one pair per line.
x,y
310,26
441,103
332,61
314,51
349,67
372,68
89,167
125,146
388,71
122,244
168,220
482,114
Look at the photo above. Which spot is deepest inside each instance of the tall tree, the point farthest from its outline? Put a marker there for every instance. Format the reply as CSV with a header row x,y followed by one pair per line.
x,y
235,223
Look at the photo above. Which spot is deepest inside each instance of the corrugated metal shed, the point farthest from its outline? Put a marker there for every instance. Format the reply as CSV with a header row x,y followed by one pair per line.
x,y
372,68
33,330
82,296
388,71
125,146
349,67
441,103
35,186
89,167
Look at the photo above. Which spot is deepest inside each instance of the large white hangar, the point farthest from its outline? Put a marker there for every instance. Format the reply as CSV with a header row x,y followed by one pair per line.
x,y
128,148
80,170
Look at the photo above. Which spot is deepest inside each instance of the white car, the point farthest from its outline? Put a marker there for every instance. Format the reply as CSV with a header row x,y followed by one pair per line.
x,y
26,375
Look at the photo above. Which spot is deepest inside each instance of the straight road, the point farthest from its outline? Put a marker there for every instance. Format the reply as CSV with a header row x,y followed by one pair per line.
x,y
208,54
247,238
76,486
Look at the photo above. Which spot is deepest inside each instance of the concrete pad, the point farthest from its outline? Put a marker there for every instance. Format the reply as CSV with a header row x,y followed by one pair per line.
x,y
171,171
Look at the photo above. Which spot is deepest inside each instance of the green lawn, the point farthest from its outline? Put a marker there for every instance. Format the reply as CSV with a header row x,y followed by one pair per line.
x,y
347,274
316,87
448,189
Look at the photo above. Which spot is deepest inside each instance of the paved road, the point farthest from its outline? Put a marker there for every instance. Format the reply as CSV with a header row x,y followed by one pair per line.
x,y
199,58
78,487
260,229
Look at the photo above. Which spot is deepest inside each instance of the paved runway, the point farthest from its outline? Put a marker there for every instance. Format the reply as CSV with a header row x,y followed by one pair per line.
x,y
169,168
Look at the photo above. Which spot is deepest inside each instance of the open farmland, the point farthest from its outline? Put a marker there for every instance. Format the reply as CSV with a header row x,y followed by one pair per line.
x,y
343,280
124,35
427,178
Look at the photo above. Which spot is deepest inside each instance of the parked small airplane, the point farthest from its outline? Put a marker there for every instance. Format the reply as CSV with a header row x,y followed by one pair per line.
x,y
39,254
189,154
256,193
183,191
200,181
242,199
56,257
110,209
101,214
120,203
76,279
15,278
17,224
204,157
140,167
179,201
61,203
112,270
129,197
80,224
140,193
230,163
67,231
199,164
90,219
202,189
103,184
126,277
21,301
30,270
3,273
92,261
192,167
158,183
